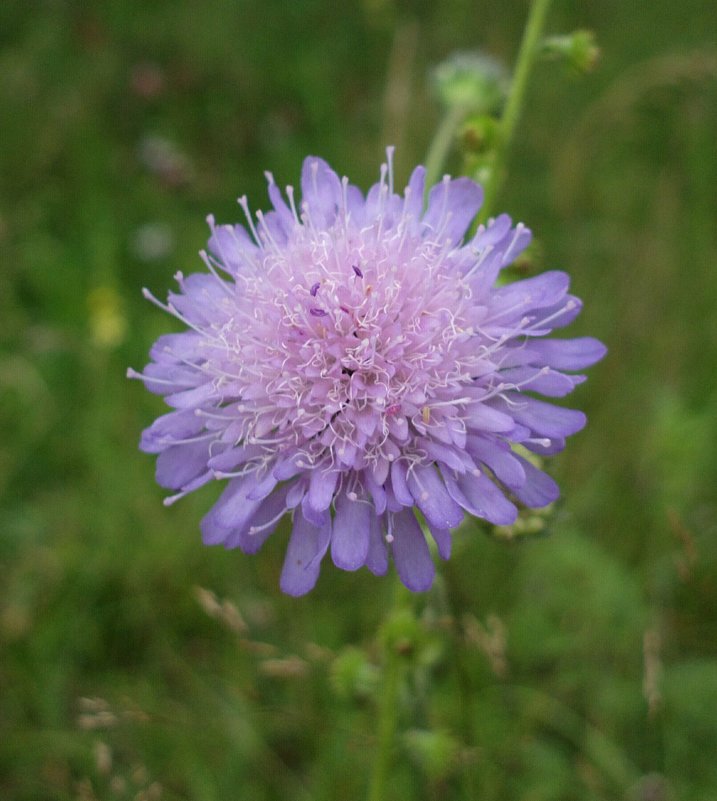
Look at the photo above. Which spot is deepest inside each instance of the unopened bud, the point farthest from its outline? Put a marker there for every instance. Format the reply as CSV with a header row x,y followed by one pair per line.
x,y
578,49
478,134
353,675
436,752
472,81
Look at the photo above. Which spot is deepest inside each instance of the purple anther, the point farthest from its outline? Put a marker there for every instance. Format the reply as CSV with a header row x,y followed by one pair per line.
x,y
344,309
318,312
356,269
314,289
394,408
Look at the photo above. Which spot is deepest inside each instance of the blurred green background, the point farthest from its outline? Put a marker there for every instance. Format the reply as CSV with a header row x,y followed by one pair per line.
x,y
136,663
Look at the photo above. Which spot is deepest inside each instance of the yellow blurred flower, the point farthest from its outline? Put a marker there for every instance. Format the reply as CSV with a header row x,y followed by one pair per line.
x,y
108,325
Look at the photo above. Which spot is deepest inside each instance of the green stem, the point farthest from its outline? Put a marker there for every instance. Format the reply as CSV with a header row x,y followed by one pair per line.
x,y
393,669
514,105
465,675
441,144
435,159
387,725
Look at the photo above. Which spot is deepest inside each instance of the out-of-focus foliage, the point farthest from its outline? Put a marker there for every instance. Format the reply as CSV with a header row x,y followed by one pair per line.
x,y
579,665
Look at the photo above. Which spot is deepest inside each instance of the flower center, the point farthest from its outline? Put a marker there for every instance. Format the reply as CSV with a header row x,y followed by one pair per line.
x,y
350,344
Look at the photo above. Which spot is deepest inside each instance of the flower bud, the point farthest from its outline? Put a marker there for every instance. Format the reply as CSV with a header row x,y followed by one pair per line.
x,y
401,633
472,81
436,752
352,675
578,49
478,134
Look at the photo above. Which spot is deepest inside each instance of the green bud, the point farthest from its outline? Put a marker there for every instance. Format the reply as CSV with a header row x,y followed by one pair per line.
x,y
528,524
478,166
472,81
578,49
352,675
435,752
478,134
401,633
482,172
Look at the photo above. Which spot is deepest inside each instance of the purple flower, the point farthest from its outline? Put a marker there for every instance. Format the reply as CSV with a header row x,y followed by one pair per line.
x,y
350,360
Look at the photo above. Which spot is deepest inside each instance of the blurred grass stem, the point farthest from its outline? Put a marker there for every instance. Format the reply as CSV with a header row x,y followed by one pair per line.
x,y
514,105
441,144
388,707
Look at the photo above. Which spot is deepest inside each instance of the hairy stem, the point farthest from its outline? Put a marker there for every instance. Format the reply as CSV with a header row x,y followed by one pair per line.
x,y
387,725
514,104
441,144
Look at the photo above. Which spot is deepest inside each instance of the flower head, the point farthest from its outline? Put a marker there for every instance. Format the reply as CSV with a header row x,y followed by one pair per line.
x,y
350,360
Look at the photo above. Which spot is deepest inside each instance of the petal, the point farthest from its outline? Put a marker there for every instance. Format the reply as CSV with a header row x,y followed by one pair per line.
x,y
307,546
377,492
432,498
451,207
442,538
289,466
410,552
399,485
180,464
322,485
212,532
233,247
233,457
296,493
321,191
557,316
545,419
283,214
495,232
482,417
483,257
263,488
173,348
204,299
350,537
377,556
441,453
166,377
314,517
545,447
355,203
380,205
499,458
168,429
568,354
234,506
480,496
274,227
539,489
256,531
413,196
514,300
192,398
544,380
520,239
231,512
366,421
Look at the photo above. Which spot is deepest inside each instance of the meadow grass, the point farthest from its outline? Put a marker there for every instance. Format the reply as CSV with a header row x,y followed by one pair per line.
x,y
136,663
